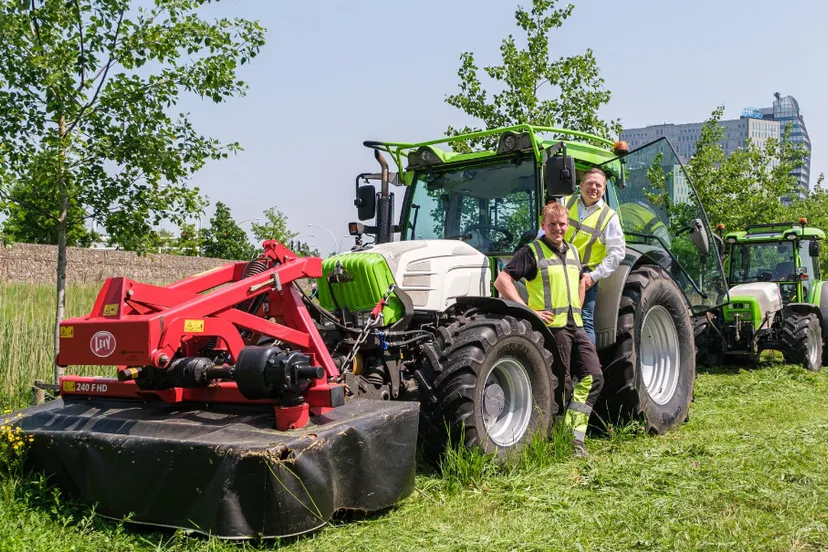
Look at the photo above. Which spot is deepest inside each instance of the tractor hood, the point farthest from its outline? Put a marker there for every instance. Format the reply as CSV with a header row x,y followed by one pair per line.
x,y
433,273
758,299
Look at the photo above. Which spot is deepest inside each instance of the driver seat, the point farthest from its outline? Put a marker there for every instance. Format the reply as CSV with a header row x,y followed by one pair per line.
x,y
782,271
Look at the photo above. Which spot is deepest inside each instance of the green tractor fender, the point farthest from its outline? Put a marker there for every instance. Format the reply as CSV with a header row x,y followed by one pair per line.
x,y
608,300
820,299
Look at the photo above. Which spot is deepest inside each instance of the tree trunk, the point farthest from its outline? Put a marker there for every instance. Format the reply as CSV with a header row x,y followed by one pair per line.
x,y
61,246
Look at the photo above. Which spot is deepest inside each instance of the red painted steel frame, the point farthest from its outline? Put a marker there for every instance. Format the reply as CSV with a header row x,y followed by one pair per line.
x,y
149,323
135,324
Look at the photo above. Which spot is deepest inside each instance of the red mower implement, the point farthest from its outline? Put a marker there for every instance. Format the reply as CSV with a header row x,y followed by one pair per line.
x,y
226,416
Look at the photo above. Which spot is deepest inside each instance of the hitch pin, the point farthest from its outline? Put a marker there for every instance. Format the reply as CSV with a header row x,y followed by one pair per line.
x,y
275,282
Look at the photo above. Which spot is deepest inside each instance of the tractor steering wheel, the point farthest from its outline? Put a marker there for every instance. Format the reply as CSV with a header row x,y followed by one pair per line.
x,y
508,235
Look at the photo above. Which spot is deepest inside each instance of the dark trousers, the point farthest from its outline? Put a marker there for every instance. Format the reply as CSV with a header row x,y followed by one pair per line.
x,y
580,360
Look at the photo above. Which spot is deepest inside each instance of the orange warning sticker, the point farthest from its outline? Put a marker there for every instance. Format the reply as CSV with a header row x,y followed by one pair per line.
x,y
194,326
67,332
110,309
69,386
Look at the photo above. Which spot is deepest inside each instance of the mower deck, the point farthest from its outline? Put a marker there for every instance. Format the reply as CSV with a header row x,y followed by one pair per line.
x,y
221,469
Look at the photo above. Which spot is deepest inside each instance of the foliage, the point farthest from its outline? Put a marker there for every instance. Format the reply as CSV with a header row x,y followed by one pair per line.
x,y
189,242
87,88
275,227
576,91
746,186
813,207
33,220
225,239
302,248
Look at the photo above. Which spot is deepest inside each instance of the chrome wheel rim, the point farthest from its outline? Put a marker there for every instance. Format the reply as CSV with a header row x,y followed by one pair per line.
x,y
813,336
659,355
506,402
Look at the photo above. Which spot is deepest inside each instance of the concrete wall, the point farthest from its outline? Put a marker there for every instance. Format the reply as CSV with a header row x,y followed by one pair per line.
x,y
37,264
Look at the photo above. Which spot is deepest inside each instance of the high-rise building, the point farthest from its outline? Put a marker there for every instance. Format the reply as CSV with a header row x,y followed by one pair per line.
x,y
758,124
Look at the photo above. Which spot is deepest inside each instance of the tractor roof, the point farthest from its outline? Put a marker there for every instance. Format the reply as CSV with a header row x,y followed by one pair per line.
x,y
777,231
520,137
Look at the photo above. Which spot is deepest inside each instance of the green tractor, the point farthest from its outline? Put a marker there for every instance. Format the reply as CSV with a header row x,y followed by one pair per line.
x,y
411,313
777,300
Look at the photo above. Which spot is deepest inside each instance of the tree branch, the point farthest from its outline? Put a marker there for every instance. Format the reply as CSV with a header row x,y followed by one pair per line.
x,y
34,21
27,205
83,57
105,70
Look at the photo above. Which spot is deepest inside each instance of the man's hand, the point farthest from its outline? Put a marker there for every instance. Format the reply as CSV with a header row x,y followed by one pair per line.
x,y
546,316
588,280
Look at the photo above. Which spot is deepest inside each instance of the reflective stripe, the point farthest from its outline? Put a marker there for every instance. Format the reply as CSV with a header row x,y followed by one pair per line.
x,y
544,274
588,250
579,407
579,435
573,199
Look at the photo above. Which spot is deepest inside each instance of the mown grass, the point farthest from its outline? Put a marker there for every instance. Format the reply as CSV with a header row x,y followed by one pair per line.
x,y
747,472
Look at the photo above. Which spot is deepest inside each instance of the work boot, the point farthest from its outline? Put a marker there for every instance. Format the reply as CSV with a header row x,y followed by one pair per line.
x,y
580,450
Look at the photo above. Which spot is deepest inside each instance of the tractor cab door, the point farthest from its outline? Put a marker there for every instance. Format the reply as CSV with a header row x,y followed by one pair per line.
x,y
664,220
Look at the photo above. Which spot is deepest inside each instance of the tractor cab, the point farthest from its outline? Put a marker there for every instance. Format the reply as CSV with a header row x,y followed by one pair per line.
x,y
786,254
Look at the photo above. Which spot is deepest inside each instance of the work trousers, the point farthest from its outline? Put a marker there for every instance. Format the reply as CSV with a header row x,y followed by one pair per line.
x,y
580,359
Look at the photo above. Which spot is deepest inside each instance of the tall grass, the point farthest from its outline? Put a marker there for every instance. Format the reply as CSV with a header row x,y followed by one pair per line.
x,y
27,314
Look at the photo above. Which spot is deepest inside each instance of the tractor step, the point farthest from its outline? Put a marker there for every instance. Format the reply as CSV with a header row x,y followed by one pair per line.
x,y
222,470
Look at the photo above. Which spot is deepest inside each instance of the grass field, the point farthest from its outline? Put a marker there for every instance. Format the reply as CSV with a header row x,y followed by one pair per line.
x,y
749,471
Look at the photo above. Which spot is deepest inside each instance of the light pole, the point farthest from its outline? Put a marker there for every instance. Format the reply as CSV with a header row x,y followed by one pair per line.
x,y
339,249
329,232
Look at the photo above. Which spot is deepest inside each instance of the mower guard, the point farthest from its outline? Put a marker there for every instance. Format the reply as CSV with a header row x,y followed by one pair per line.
x,y
221,469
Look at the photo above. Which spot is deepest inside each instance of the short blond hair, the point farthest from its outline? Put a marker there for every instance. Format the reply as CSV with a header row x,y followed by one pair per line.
x,y
593,170
554,209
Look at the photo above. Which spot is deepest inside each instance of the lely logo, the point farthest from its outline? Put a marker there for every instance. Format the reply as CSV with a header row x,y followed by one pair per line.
x,y
102,344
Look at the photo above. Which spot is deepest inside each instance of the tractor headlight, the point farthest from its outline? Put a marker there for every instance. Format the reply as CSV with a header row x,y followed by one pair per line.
x,y
423,156
512,141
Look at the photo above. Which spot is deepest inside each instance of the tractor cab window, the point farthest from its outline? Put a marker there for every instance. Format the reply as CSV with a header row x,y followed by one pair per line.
x,y
661,213
762,262
490,207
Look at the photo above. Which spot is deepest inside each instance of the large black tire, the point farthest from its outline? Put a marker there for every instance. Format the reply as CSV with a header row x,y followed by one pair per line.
x,y
802,340
625,395
453,377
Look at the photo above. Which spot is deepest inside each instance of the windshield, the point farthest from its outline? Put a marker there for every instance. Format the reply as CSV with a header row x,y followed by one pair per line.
x,y
657,206
491,207
762,262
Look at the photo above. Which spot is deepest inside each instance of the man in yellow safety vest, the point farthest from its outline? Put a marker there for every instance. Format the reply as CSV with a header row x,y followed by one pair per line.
x,y
553,274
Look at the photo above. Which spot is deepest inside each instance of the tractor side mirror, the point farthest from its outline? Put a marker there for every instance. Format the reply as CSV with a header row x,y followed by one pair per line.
x,y
813,249
699,237
366,202
559,176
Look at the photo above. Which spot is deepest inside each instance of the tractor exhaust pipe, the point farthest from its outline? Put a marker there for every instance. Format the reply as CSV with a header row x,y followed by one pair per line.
x,y
385,204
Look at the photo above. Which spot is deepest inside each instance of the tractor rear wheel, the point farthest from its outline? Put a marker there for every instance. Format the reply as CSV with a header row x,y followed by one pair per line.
x,y
650,371
802,338
486,379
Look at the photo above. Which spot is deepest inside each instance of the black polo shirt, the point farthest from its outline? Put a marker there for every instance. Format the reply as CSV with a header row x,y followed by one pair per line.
x,y
523,264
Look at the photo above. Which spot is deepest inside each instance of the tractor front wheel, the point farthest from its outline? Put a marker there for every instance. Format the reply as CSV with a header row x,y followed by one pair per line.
x,y
802,339
485,380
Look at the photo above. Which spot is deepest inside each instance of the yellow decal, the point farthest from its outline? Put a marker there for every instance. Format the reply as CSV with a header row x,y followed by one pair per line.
x,y
194,326
69,386
110,309
67,332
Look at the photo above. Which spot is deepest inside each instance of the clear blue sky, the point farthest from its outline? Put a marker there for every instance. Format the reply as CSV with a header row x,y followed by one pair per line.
x,y
333,74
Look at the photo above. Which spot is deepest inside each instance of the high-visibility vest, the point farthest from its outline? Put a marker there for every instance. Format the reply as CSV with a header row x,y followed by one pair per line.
x,y
587,236
555,287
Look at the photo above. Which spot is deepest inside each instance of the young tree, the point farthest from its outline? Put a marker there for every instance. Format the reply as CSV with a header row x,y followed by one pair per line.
x,y
189,242
535,88
275,227
87,89
225,239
